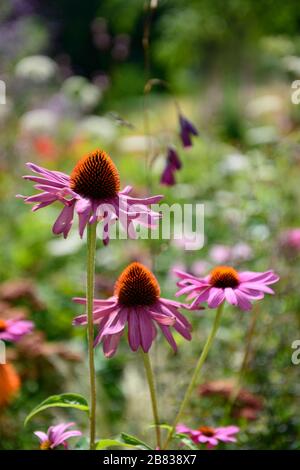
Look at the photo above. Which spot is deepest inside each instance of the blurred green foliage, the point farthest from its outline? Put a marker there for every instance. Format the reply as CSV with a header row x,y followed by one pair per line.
x,y
230,63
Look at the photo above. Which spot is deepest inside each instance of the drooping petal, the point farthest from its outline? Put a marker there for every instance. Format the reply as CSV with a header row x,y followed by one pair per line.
x,y
61,440
231,296
258,286
117,324
83,208
162,318
216,297
169,337
42,436
133,330
111,343
243,301
145,325
64,221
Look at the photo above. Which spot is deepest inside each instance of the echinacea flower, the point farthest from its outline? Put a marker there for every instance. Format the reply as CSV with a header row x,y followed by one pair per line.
x,y
209,435
225,283
13,329
187,129
93,192
173,164
56,436
137,303
9,383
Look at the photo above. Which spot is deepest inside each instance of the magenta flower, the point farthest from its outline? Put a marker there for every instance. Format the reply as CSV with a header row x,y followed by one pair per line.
x,y
225,283
56,436
14,329
93,192
209,435
290,239
187,129
173,164
137,303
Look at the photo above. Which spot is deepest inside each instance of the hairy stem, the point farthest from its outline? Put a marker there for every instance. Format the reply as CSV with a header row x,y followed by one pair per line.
x,y
91,249
150,379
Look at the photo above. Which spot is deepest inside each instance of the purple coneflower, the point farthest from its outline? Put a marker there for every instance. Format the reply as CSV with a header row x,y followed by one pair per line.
x,y
225,283
93,192
56,436
13,329
173,164
137,303
209,435
187,129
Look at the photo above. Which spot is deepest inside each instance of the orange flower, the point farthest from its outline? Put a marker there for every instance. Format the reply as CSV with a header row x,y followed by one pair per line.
x,y
9,383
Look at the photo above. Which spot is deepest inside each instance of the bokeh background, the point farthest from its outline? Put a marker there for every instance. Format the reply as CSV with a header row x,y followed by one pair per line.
x,y
75,74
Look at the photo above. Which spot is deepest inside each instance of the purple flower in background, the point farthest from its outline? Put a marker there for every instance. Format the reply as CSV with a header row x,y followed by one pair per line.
x,y
24,7
220,254
168,176
209,435
173,164
173,158
14,329
56,436
187,130
137,303
224,283
290,239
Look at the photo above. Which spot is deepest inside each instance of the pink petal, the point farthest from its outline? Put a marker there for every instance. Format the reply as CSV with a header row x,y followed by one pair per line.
x,y
230,296
261,277
257,286
83,208
145,325
169,337
64,221
111,343
118,323
182,428
133,330
228,429
185,290
63,437
41,435
216,297
243,300
162,319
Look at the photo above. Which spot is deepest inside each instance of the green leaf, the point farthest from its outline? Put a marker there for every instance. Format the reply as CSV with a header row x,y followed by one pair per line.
x,y
82,444
65,400
162,426
134,441
105,443
186,441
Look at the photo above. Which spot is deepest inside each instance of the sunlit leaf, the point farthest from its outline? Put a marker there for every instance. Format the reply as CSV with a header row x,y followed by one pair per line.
x,y
105,443
65,400
134,441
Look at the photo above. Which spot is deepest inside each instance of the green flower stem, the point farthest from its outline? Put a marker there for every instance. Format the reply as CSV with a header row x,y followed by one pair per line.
x,y
195,376
250,335
150,379
91,249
